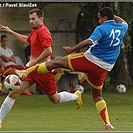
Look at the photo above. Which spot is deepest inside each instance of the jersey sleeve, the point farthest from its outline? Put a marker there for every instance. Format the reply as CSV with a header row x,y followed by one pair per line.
x,y
29,38
125,25
96,35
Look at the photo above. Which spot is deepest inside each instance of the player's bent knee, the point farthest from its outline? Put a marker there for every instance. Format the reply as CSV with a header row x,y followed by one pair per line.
x,y
54,98
55,101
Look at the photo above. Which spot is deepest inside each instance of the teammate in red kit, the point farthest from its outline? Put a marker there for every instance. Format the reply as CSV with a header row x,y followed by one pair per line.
x,y
41,50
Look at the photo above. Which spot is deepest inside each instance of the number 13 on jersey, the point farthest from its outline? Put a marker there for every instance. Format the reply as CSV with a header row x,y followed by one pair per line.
x,y
115,34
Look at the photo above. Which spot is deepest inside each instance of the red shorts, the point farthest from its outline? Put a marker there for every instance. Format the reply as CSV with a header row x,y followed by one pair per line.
x,y
95,74
46,82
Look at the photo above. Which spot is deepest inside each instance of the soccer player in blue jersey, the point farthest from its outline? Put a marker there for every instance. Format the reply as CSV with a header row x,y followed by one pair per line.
x,y
105,42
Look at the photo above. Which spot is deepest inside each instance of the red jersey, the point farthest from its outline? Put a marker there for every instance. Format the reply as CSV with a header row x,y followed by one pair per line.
x,y
39,39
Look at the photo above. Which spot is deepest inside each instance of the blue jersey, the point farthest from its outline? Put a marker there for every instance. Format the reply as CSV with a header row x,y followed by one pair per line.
x,y
107,39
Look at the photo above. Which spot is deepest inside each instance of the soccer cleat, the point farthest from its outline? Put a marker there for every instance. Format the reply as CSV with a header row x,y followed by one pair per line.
x,y
109,126
0,125
78,102
21,76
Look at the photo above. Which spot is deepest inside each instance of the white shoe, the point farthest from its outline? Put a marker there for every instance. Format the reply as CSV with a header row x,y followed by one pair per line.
x,y
109,126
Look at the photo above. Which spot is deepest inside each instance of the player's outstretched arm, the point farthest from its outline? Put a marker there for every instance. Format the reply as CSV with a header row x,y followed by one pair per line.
x,y
83,44
21,38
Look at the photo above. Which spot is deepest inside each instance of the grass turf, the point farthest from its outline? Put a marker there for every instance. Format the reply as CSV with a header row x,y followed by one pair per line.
x,y
37,113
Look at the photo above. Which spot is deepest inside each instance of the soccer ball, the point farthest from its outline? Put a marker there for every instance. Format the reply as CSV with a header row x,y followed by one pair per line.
x,y
121,88
79,88
12,82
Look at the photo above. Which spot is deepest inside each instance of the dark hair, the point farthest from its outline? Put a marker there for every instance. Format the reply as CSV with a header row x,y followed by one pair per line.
x,y
37,11
107,11
3,36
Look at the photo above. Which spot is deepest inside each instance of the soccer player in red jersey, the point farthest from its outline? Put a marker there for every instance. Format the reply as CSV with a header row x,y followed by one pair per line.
x,y
41,50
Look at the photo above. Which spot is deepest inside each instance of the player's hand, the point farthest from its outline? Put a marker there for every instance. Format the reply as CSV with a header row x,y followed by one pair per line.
x,y
67,49
5,28
32,63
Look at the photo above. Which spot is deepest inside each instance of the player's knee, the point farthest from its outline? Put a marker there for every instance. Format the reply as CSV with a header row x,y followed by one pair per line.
x,y
54,98
58,63
55,101
96,94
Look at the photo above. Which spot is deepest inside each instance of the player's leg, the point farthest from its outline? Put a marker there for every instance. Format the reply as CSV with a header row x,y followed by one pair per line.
x,y
46,66
47,84
101,107
69,63
66,97
10,99
58,72
96,80
64,62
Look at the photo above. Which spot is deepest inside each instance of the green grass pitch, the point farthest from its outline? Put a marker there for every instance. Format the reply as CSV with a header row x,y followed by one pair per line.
x,y
37,113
